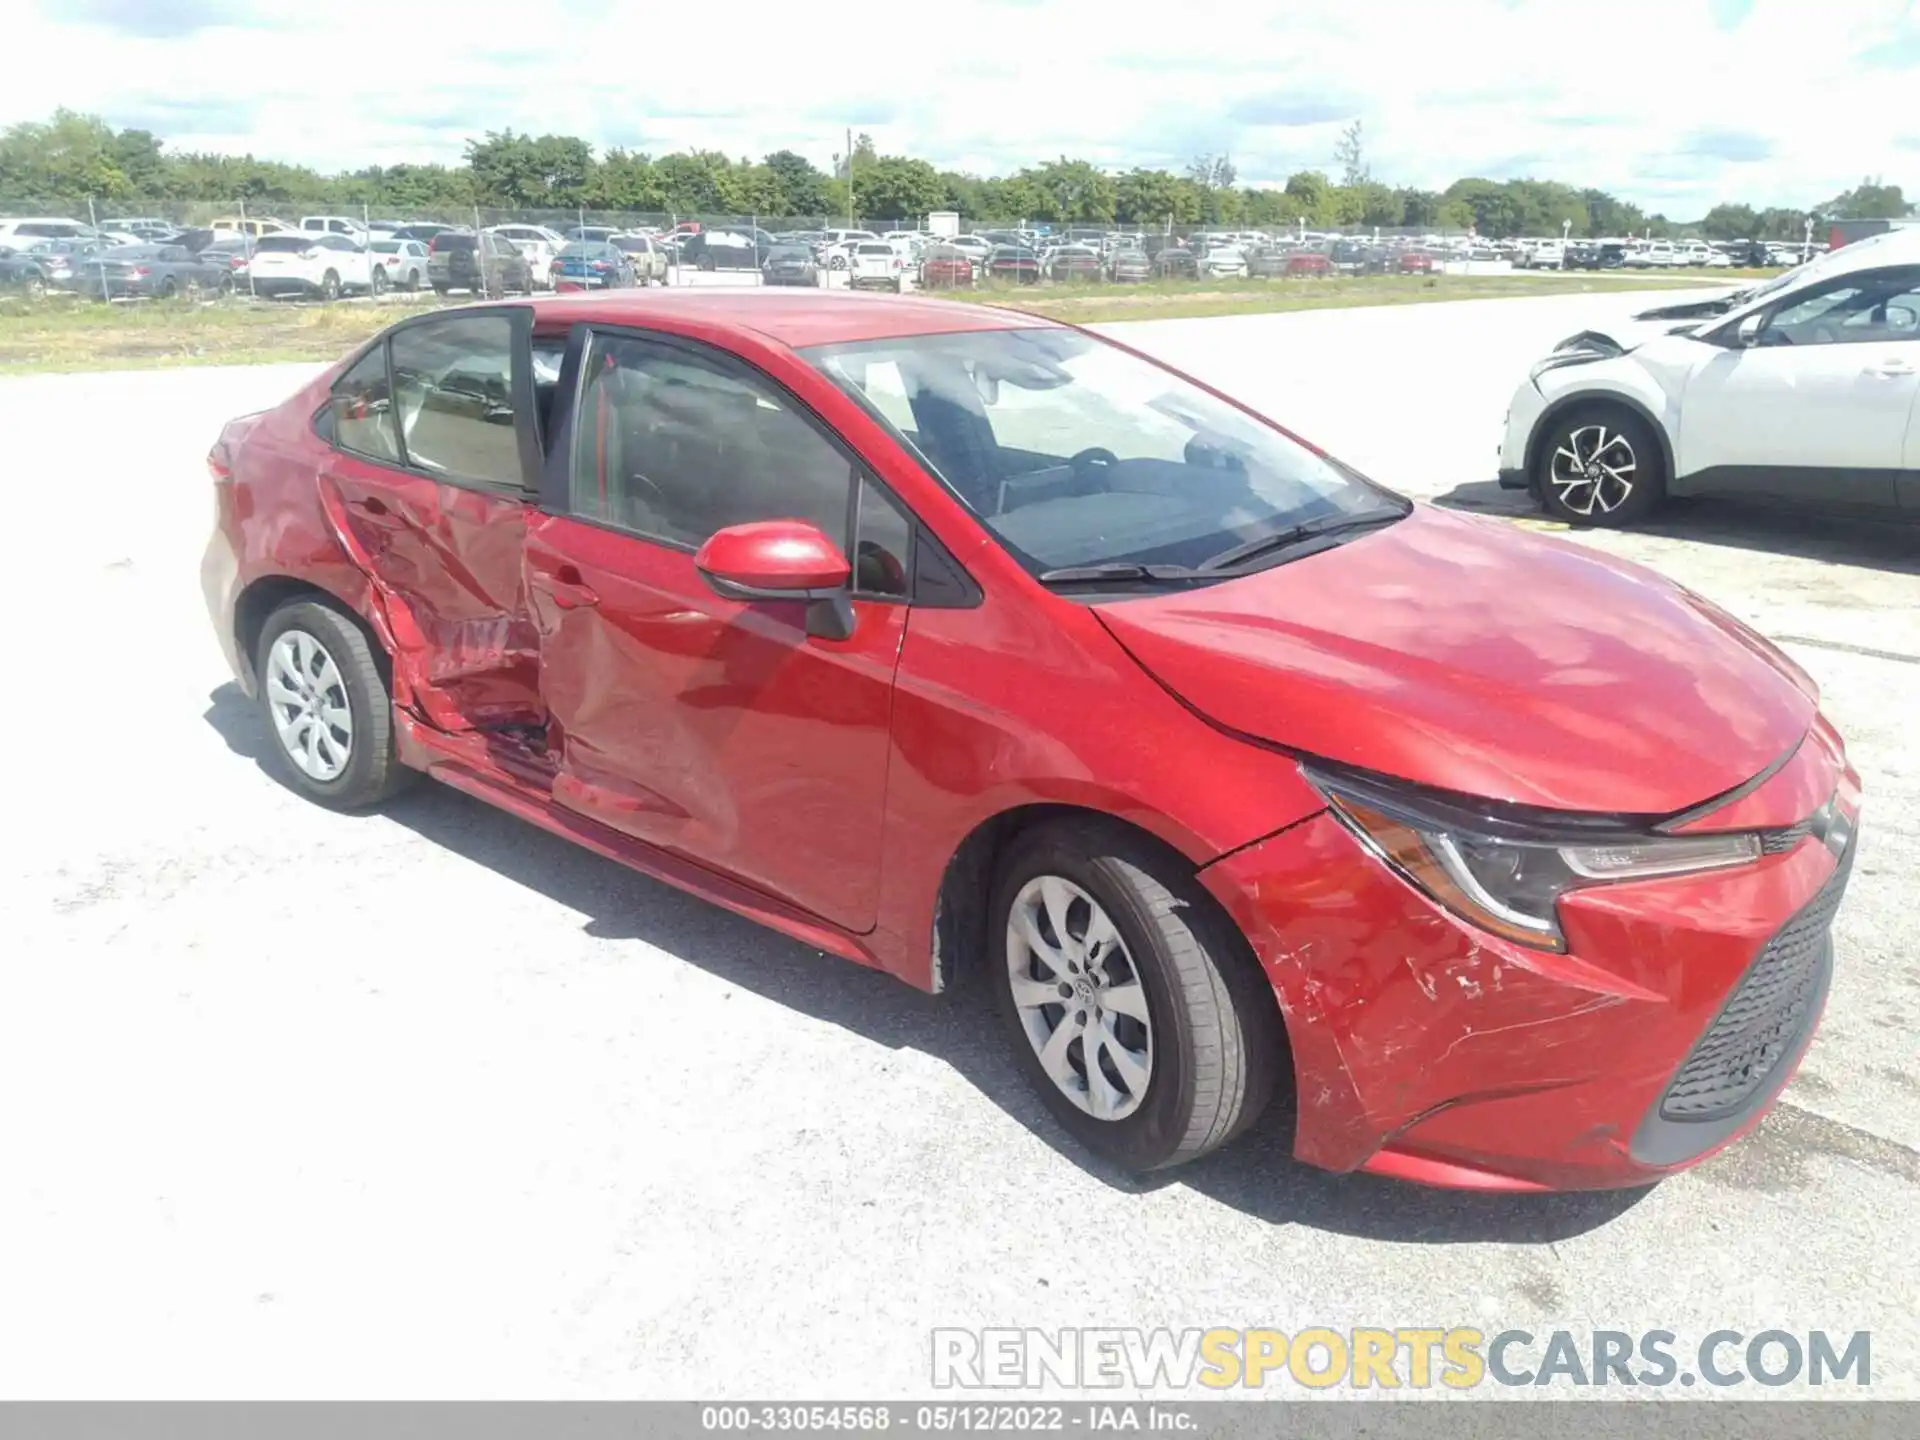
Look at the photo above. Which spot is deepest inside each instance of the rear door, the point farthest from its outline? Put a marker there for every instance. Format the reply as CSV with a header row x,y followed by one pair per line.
x,y
719,729
435,461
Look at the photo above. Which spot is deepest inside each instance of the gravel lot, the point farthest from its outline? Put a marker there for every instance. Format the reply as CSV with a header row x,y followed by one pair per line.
x,y
432,1104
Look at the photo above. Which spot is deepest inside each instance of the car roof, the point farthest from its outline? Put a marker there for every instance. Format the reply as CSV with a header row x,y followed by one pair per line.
x,y
791,318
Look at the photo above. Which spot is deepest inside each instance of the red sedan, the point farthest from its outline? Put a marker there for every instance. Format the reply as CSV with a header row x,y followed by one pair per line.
x,y
1308,262
1415,262
954,641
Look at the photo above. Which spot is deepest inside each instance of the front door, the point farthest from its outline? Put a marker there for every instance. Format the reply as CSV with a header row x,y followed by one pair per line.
x,y
427,486
715,728
1817,408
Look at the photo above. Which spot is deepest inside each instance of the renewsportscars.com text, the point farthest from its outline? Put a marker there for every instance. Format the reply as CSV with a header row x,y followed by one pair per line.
x,y
1460,1358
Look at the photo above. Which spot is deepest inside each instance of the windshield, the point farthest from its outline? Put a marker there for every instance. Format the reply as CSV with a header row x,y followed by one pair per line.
x,y
1074,452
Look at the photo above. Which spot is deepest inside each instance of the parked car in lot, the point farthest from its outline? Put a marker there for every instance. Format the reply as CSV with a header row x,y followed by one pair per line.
x,y
974,247
1176,262
1413,262
646,256
790,264
316,266
1808,390
591,265
334,225
405,262
233,251
149,272
48,266
1018,263
1074,262
536,242
875,265
592,234
423,231
1129,266
1579,937
943,267
726,247
23,234
253,225
1308,262
482,263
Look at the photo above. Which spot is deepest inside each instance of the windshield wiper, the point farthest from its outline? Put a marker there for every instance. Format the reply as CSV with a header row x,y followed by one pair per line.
x,y
1298,534
1123,572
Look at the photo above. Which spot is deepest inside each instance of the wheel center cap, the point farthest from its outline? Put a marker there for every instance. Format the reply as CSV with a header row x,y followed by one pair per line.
x,y
1084,990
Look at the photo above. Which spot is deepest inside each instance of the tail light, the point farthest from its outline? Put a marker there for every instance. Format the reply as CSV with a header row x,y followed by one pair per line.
x,y
556,267
140,272
220,463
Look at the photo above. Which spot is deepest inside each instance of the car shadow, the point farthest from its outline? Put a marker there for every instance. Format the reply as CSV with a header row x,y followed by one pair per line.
x,y
1880,543
1256,1175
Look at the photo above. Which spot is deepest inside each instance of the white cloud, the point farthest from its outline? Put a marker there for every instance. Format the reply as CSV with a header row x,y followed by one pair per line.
x,y
1671,103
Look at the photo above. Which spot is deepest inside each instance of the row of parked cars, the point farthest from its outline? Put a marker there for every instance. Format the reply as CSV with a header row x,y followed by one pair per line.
x,y
1649,254
322,257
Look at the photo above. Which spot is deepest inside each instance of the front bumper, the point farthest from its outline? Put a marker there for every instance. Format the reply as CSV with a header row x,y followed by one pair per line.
x,y
1429,1050
1523,417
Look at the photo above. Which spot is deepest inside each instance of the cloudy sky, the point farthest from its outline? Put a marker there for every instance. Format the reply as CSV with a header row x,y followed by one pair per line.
x,y
1671,103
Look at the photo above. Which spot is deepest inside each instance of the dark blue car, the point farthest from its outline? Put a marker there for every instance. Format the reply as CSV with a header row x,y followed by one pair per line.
x,y
591,265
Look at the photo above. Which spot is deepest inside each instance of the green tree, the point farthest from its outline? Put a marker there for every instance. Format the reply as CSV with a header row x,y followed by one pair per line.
x,y
1869,200
802,185
1730,222
1309,190
521,170
893,187
1075,190
1351,156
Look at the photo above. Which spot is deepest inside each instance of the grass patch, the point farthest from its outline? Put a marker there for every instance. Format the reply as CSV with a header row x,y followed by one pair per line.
x,y
1191,299
62,334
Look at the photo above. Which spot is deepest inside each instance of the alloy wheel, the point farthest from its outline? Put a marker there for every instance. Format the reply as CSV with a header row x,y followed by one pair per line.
x,y
1592,470
1079,997
307,697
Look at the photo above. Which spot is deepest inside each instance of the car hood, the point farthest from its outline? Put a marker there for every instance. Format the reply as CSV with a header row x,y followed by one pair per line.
x,y
1465,654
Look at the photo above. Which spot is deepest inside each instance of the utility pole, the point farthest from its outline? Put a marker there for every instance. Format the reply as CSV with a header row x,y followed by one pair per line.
x,y
849,177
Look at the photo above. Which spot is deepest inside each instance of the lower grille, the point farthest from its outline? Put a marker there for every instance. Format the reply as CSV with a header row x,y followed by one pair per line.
x,y
1766,1017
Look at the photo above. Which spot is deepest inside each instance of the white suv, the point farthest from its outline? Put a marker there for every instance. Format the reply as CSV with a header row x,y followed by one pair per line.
x,y
24,233
1807,389
304,263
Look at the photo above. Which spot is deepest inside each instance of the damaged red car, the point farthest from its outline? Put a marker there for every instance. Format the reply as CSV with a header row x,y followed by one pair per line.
x,y
960,643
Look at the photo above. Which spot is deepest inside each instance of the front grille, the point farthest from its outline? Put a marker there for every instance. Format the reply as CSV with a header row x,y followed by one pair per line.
x,y
1766,1017
1778,842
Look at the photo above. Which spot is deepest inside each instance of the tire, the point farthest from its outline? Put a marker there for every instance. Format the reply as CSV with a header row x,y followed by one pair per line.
x,y
168,289
412,281
370,773
330,285
706,262
1212,1039
377,281
225,288
1625,449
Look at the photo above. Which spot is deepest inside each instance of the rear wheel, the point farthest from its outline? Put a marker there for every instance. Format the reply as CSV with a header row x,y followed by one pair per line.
x,y
168,289
1131,1002
378,281
329,713
330,285
1600,465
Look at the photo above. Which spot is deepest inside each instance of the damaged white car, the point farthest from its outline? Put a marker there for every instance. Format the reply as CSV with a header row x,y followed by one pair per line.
x,y
1806,389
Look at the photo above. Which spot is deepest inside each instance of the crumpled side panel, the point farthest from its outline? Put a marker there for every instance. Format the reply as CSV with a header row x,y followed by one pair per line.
x,y
445,566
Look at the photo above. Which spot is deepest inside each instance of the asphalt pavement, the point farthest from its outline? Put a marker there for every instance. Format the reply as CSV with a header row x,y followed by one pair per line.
x,y
429,1103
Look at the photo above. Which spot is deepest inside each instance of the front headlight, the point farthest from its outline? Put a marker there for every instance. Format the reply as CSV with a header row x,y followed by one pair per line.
x,y
1506,874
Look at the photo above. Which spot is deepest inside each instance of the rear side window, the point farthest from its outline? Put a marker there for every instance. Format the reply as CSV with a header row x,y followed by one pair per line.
x,y
453,392
363,410
672,446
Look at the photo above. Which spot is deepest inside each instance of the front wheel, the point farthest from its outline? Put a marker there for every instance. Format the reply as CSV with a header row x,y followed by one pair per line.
x,y
329,713
1131,1002
1600,465
330,286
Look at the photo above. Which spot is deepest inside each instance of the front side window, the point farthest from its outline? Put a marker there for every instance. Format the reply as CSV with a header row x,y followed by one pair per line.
x,y
1075,453
453,390
1874,306
673,446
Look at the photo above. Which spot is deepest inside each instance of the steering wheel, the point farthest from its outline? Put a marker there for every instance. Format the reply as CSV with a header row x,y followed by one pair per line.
x,y
1087,465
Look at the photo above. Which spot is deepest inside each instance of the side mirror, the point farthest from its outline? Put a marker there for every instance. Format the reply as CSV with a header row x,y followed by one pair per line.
x,y
782,560
1748,334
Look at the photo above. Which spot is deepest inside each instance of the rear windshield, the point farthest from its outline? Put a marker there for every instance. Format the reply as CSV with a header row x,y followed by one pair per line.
x,y
453,242
876,250
290,243
790,252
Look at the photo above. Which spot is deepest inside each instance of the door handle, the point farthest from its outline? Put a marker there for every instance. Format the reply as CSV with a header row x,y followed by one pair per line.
x,y
372,504
569,592
1891,369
